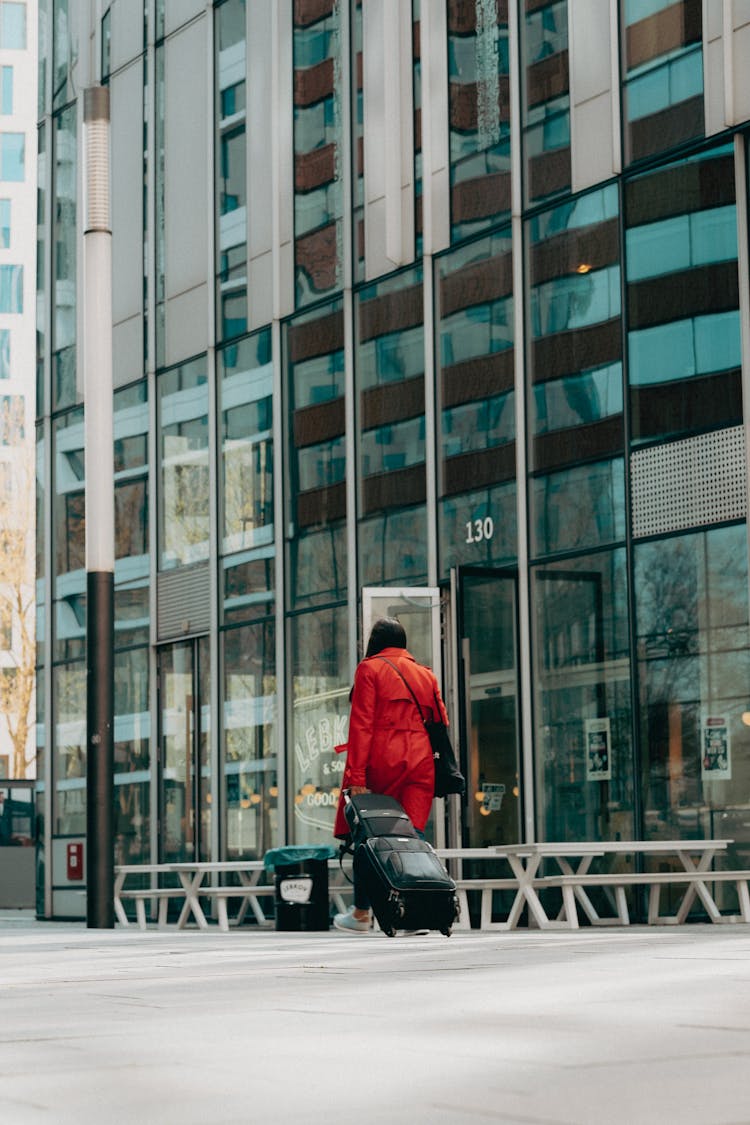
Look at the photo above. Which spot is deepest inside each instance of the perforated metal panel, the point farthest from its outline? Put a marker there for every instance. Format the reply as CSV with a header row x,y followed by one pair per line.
x,y
682,484
183,602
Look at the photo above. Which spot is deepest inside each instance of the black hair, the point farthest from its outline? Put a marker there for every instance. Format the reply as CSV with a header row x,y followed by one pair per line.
x,y
387,632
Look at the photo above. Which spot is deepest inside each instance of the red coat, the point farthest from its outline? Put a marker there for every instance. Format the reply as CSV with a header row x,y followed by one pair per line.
x,y
388,749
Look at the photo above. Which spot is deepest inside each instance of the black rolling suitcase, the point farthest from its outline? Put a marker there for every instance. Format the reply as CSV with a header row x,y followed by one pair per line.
x,y
405,881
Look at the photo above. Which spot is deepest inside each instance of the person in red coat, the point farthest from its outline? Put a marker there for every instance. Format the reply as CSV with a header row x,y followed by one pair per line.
x,y
388,750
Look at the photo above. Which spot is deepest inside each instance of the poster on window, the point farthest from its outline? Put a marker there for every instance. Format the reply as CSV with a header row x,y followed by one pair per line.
x,y
716,760
598,750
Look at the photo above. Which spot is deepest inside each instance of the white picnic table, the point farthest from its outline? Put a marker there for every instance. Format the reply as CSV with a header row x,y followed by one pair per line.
x,y
193,885
524,861
573,860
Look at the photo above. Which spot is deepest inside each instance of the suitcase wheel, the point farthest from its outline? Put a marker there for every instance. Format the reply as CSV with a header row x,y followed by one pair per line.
x,y
447,931
389,931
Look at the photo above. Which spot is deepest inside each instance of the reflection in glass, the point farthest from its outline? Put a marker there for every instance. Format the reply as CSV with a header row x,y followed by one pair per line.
x,y
663,65
69,535
479,111
546,99
246,387
320,711
318,181
69,751
476,404
683,298
583,713
64,236
231,170
184,707
694,665
317,489
575,367
250,740
132,776
390,416
184,486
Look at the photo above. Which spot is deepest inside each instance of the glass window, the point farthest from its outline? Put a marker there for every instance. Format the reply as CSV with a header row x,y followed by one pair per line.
x,y
12,157
5,223
575,367
479,115
578,507
12,26
6,89
231,266
131,515
318,186
320,711
132,771
12,408
684,349
390,428
69,751
251,752
4,353
64,235
184,483
583,741
663,66
106,43
546,99
11,289
317,486
358,147
68,534
476,404
246,388
693,649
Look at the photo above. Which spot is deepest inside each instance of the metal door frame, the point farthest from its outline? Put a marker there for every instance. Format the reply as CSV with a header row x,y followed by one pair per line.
x,y
456,659
193,643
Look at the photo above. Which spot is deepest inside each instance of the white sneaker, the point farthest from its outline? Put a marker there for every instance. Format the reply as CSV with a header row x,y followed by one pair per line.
x,y
351,925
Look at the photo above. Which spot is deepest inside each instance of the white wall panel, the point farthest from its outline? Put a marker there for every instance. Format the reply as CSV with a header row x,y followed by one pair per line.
x,y
187,324
594,91
126,138
388,135
127,32
127,350
726,74
435,150
179,12
186,141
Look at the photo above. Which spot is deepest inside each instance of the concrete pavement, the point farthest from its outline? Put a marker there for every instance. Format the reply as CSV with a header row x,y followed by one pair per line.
x,y
641,1026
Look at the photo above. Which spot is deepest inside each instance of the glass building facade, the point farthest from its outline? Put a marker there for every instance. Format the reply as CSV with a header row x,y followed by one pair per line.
x,y
445,315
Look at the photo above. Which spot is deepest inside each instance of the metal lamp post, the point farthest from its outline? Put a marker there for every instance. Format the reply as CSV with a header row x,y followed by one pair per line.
x,y
100,537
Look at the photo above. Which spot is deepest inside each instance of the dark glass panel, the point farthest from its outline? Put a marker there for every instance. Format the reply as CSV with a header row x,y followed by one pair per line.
x,y
479,115
584,753
684,352
317,491
318,187
320,708
250,710
546,99
390,427
476,404
693,650
663,64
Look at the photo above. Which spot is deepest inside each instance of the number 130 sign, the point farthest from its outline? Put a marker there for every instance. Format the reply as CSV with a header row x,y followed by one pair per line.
x,y
479,530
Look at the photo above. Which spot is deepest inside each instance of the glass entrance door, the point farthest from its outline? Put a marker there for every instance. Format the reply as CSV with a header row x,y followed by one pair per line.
x,y
486,621
184,752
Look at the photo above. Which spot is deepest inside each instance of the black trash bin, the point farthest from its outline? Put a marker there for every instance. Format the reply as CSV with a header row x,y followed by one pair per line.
x,y
301,881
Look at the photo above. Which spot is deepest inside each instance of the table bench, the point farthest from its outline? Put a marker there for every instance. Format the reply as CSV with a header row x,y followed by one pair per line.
x,y
654,880
193,887
525,860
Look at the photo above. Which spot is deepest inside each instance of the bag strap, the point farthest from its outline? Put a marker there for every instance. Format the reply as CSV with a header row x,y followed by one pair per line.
x,y
408,686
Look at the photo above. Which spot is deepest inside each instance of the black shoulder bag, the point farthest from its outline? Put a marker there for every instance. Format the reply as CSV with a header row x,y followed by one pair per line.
x,y
448,777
